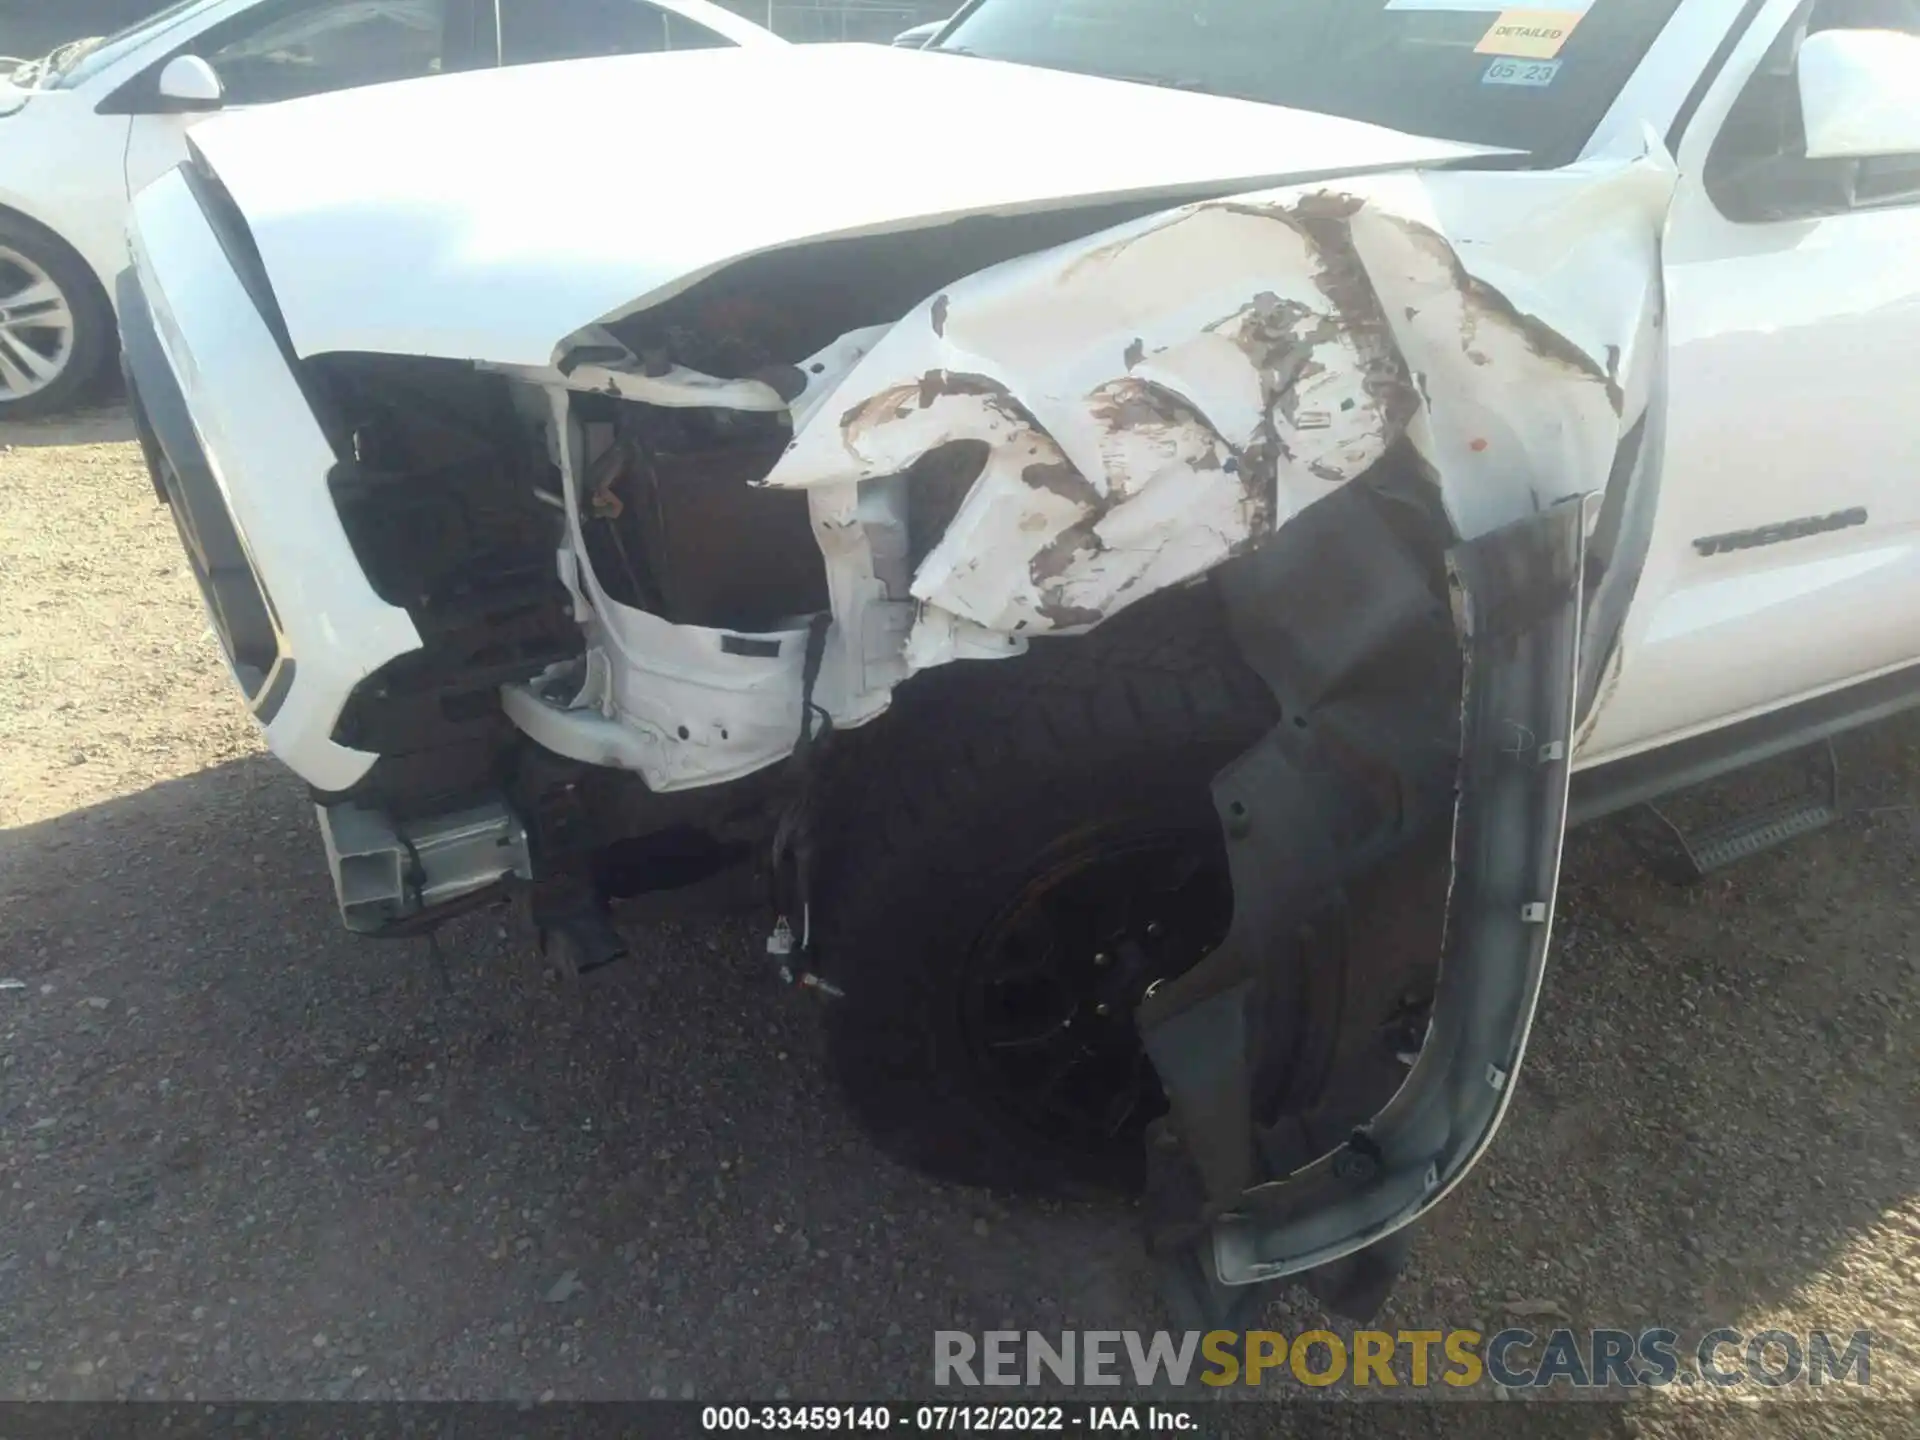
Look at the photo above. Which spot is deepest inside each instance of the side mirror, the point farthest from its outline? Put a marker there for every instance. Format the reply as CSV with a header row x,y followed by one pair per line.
x,y
1860,93
189,83
919,35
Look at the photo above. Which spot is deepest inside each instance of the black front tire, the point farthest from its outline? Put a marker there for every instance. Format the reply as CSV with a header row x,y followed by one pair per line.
x,y
988,777
93,343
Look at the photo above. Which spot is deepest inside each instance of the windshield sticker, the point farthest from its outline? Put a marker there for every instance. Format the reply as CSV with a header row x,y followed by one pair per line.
x,y
1528,34
1521,72
1485,7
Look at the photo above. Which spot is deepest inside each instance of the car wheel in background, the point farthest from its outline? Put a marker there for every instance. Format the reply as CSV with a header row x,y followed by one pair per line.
x,y
56,331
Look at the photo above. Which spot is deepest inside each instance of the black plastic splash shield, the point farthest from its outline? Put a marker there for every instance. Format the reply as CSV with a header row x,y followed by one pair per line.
x,y
1517,594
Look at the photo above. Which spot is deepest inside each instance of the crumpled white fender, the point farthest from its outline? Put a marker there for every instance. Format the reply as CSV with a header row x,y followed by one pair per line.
x,y
1159,397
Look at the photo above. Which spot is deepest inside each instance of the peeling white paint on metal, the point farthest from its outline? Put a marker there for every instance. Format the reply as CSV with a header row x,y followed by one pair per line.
x,y
1160,397
827,369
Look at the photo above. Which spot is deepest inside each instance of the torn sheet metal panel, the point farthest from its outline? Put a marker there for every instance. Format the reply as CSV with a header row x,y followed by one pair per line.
x,y
1531,330
1159,397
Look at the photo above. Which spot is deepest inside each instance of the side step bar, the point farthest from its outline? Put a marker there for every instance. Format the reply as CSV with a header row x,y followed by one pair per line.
x,y
1640,778
1704,851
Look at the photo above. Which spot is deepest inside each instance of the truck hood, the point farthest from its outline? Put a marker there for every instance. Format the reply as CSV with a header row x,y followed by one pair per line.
x,y
488,216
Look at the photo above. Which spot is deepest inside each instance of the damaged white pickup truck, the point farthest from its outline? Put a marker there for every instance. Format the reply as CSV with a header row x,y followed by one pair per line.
x,y
1139,554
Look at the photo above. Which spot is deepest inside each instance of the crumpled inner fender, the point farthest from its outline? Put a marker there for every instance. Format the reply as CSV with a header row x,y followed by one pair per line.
x,y
1160,397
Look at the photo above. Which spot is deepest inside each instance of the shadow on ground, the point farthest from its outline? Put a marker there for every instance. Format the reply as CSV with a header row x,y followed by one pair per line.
x,y
246,1133
105,425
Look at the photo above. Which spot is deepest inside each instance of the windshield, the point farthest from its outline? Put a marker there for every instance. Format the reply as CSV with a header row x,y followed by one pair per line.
x,y
77,64
1467,70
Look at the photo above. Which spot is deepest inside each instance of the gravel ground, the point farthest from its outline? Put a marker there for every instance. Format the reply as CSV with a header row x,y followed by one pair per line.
x,y
247,1156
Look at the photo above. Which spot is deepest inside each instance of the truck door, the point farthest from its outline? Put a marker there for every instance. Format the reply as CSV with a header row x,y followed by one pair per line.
x,y
1785,558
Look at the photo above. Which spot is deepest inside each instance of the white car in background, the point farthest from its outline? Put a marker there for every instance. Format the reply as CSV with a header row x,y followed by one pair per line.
x,y
84,129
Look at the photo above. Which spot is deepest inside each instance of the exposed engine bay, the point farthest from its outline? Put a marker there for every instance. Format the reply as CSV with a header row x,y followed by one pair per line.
x,y
596,547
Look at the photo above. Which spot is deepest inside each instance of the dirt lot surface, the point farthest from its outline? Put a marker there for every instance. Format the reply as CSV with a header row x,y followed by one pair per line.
x,y
243,1155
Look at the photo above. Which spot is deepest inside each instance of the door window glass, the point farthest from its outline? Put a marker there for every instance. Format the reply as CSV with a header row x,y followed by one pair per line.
x,y
332,45
536,30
